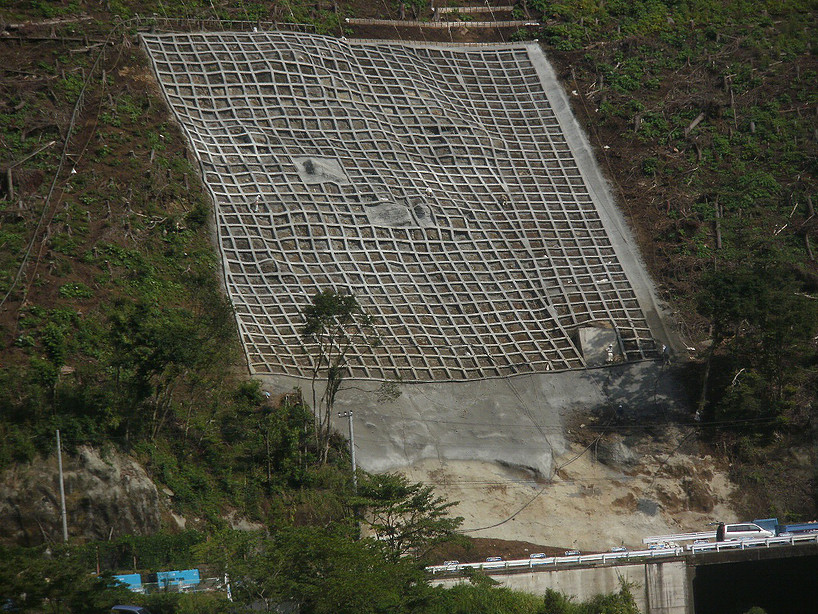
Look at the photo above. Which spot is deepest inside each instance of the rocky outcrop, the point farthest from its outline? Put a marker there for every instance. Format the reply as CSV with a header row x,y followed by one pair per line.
x,y
613,451
107,495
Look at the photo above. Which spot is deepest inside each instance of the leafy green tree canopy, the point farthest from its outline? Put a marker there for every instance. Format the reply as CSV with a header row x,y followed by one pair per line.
x,y
334,324
406,517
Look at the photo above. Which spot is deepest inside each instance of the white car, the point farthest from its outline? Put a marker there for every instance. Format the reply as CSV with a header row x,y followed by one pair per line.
x,y
742,530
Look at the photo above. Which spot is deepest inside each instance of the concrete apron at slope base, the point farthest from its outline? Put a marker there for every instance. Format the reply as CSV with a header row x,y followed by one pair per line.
x,y
518,421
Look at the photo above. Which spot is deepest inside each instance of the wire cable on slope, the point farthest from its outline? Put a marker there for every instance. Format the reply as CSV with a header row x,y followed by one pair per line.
x,y
63,156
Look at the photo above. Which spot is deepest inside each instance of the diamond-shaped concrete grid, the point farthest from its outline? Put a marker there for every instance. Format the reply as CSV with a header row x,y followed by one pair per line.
x,y
433,182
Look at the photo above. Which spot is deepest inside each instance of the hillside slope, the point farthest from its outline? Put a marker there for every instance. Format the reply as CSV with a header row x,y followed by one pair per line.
x,y
115,331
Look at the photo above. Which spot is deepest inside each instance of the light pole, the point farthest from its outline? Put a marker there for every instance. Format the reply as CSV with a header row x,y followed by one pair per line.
x,y
348,415
63,514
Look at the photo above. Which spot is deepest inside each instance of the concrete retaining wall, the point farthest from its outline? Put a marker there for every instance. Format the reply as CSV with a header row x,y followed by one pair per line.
x,y
658,588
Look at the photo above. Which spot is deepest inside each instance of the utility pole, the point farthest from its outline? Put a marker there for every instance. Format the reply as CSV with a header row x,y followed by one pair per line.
x,y
63,514
348,415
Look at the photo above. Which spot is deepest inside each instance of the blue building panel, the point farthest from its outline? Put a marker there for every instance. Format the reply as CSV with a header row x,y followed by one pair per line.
x,y
132,581
181,578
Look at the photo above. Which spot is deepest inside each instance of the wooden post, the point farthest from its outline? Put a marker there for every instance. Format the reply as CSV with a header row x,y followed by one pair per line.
x,y
718,225
10,183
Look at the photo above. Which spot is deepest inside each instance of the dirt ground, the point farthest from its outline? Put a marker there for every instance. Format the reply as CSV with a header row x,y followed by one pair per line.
x,y
589,506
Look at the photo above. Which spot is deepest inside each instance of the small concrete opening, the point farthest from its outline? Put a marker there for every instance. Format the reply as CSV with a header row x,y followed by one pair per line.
x,y
600,344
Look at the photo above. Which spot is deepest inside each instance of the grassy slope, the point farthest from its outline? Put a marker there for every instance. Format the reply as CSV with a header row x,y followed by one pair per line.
x,y
113,324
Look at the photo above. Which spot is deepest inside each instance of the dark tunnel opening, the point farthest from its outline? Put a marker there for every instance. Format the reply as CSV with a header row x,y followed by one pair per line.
x,y
778,586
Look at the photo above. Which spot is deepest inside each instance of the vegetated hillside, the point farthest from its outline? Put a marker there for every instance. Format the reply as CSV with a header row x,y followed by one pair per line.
x,y
113,325
705,116
114,330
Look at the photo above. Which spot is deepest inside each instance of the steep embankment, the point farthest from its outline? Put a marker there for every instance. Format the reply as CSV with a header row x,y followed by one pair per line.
x,y
703,118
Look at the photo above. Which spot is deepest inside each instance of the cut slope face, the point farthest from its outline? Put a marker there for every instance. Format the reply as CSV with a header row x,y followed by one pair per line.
x,y
447,187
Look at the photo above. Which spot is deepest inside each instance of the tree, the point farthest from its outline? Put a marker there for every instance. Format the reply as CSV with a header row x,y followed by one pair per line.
x,y
484,599
558,603
763,324
267,437
334,324
321,570
407,518
158,351
613,603
39,581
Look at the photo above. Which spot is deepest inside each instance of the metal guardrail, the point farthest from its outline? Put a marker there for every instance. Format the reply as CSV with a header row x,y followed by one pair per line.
x,y
573,561
413,23
743,544
182,24
559,562
679,537
475,9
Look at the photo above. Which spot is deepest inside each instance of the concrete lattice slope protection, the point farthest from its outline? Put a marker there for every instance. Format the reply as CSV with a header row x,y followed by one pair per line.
x,y
447,187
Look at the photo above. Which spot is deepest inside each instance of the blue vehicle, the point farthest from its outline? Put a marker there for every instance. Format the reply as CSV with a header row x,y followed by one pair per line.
x,y
798,528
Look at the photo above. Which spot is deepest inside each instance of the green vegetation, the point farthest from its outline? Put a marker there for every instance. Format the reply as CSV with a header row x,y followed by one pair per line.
x,y
763,328
704,115
321,570
408,519
712,102
334,325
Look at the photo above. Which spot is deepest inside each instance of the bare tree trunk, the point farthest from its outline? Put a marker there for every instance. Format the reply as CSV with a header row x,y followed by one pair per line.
x,y
316,412
718,225
694,123
705,380
269,459
10,183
